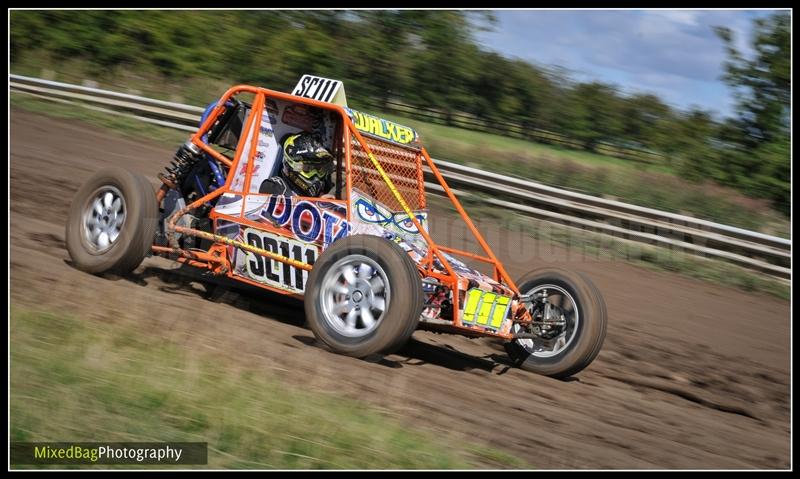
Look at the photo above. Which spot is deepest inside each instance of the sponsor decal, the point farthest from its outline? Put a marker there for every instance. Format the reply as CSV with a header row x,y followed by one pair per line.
x,y
310,222
383,129
369,211
266,131
375,213
275,273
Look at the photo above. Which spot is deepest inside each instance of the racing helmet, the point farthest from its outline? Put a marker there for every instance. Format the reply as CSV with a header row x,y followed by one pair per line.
x,y
307,164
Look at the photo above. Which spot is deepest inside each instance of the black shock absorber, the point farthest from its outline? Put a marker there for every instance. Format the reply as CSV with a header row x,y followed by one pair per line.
x,y
185,158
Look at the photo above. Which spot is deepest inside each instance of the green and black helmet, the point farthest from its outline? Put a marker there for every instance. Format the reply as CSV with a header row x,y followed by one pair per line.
x,y
307,164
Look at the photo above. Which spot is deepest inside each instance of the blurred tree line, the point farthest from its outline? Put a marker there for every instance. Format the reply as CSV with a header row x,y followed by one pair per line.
x,y
430,59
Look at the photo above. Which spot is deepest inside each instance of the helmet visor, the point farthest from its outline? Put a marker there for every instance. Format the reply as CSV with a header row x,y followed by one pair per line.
x,y
314,169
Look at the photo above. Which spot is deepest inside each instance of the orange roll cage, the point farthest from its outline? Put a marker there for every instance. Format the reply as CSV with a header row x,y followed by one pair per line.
x,y
216,258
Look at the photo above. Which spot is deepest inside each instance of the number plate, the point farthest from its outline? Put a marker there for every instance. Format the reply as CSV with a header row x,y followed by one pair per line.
x,y
275,273
485,308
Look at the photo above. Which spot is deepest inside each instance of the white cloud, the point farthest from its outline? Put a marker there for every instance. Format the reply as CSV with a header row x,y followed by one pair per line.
x,y
684,17
665,51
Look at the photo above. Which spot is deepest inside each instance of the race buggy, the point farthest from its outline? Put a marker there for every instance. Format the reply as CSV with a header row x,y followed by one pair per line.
x,y
361,258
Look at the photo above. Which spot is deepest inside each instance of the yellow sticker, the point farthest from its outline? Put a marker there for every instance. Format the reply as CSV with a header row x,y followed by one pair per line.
x,y
500,310
481,307
473,299
486,307
384,129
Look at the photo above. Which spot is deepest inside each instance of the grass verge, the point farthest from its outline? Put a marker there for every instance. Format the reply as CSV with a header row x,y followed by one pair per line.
x,y
84,380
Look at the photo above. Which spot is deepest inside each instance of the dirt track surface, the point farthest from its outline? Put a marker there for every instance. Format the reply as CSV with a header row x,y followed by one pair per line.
x,y
691,375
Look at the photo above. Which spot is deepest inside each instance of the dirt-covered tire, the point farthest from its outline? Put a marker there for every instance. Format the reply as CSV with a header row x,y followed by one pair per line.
x,y
589,332
112,222
363,296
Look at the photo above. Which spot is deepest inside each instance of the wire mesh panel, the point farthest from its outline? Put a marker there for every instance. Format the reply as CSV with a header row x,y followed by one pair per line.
x,y
401,164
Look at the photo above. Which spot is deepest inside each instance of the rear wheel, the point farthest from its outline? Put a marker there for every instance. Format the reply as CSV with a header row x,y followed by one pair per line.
x,y
112,222
576,323
364,296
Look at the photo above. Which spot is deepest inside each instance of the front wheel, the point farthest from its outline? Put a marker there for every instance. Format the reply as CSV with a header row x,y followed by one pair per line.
x,y
112,222
569,323
364,296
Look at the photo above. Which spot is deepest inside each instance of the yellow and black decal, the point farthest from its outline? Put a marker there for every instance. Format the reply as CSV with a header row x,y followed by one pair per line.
x,y
384,129
485,308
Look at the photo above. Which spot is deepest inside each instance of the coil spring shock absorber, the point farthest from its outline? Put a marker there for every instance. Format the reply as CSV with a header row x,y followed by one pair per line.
x,y
185,158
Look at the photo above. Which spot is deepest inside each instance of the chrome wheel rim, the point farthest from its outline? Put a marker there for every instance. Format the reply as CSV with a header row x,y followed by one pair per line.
x,y
355,296
559,297
103,219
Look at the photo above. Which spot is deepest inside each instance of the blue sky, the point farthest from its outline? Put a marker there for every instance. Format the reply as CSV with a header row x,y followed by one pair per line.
x,y
672,53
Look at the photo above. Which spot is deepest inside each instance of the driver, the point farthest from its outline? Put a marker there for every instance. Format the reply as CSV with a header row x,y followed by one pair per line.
x,y
307,169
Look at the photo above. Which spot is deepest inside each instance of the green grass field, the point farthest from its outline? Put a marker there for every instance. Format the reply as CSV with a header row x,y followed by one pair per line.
x,y
432,135
78,379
